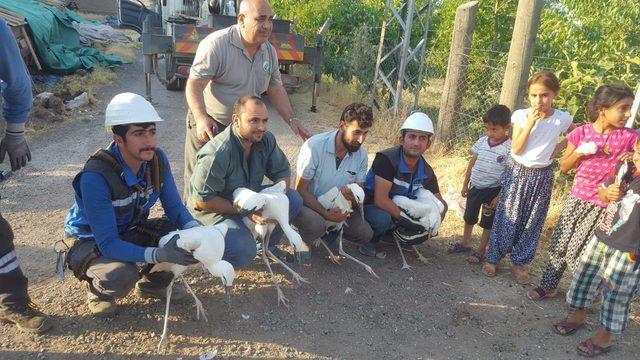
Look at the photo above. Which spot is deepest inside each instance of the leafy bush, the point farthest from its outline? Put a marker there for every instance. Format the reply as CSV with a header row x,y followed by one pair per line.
x,y
350,19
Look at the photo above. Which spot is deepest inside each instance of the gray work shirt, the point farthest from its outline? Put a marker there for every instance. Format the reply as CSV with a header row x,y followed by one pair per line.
x,y
221,168
317,162
222,58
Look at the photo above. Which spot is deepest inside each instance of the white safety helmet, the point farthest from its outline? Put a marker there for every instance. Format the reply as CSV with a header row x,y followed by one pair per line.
x,y
418,121
129,108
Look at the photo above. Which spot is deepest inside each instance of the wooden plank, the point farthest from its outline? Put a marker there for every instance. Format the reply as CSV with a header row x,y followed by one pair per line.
x,y
465,24
12,16
31,49
521,49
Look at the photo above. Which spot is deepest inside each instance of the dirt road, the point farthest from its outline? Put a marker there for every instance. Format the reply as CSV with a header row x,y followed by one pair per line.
x,y
442,310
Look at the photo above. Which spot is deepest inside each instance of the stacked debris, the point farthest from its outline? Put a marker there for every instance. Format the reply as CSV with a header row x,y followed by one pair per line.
x,y
55,39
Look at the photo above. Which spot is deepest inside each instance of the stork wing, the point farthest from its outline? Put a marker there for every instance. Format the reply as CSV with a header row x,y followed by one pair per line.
x,y
357,192
412,207
248,200
327,199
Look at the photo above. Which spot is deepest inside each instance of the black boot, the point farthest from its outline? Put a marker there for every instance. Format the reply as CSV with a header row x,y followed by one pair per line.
x,y
26,317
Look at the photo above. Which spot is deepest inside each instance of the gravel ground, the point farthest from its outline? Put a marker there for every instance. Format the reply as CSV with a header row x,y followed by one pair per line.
x,y
442,310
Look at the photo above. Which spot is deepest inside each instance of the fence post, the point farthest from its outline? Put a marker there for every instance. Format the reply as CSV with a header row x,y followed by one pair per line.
x,y
465,24
520,53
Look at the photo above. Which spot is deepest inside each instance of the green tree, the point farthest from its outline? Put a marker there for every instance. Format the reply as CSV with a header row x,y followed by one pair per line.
x,y
589,43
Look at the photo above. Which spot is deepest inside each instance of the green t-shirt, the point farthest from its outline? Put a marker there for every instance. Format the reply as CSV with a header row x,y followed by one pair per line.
x,y
221,168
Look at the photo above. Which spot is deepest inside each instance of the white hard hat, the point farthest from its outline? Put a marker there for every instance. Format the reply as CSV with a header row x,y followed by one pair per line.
x,y
418,121
129,108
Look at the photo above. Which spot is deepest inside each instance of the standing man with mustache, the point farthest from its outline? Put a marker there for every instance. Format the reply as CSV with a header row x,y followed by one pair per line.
x,y
334,159
108,228
241,156
400,170
229,64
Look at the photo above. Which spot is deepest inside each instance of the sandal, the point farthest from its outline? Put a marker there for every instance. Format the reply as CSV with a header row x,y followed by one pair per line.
x,y
592,349
489,270
369,249
475,258
458,248
541,293
566,327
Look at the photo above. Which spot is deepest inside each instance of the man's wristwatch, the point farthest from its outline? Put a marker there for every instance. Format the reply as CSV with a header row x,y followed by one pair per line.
x,y
290,121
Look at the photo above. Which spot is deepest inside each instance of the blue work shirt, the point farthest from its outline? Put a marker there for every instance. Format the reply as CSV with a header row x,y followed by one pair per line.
x,y
389,164
317,162
93,214
15,81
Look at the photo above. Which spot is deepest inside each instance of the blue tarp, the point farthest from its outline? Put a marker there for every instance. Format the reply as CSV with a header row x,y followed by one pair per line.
x,y
55,40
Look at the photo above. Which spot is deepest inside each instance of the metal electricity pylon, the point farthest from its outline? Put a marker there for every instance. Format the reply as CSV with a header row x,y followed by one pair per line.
x,y
394,69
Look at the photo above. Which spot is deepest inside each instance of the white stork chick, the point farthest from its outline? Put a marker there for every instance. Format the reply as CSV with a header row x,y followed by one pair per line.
x,y
207,245
428,209
275,206
334,198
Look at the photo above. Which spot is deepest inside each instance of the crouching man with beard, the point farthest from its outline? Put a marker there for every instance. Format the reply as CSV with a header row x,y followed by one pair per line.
x,y
332,160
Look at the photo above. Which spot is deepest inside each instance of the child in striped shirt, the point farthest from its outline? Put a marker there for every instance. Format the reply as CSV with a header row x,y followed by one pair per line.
x,y
483,180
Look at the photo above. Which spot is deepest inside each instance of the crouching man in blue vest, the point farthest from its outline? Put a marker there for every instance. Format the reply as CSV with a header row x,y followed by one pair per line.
x,y
400,170
109,223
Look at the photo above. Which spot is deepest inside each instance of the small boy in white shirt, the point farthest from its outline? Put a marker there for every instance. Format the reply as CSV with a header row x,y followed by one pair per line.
x,y
482,180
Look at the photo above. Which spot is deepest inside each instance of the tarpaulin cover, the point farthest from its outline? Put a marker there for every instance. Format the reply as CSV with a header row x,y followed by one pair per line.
x,y
56,41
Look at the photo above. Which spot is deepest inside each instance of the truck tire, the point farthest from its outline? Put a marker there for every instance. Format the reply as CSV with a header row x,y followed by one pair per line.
x,y
178,84
173,83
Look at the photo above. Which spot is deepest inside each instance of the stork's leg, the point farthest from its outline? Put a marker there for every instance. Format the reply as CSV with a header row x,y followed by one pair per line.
x,y
199,307
421,257
281,299
164,341
295,275
405,265
332,257
343,253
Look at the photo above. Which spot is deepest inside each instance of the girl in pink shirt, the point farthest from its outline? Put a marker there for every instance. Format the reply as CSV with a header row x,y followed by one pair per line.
x,y
593,150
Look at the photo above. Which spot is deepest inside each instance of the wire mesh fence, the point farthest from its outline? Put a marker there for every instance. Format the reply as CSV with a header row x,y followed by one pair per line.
x,y
481,86
479,89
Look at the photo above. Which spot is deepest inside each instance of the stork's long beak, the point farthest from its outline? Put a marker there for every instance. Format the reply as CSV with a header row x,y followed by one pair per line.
x,y
227,290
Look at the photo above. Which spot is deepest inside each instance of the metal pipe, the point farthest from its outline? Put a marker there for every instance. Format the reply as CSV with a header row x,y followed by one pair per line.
x,y
318,62
378,62
403,56
423,52
147,60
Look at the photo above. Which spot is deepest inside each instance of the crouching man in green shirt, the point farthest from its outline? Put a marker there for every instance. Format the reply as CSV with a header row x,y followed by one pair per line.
x,y
241,156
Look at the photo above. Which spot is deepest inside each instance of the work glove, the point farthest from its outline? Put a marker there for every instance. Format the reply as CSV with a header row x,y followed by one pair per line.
x,y
407,222
16,146
173,254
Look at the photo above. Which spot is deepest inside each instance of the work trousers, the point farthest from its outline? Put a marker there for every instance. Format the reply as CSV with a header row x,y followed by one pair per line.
x,y
239,244
110,278
380,221
191,147
312,226
13,283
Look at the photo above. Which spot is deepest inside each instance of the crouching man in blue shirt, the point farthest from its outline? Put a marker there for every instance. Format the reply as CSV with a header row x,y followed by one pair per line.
x,y
109,225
